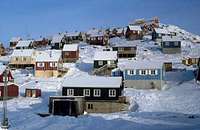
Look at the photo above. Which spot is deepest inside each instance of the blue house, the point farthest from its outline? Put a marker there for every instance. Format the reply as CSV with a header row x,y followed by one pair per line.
x,y
143,74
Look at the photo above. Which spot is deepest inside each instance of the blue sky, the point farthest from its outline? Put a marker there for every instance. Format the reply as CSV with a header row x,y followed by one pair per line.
x,y
47,17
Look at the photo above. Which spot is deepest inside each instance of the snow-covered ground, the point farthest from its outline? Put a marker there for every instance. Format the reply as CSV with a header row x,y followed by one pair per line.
x,y
176,107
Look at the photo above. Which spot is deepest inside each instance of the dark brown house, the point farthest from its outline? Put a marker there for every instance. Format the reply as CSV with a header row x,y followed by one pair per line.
x,y
41,42
134,32
74,37
70,53
14,41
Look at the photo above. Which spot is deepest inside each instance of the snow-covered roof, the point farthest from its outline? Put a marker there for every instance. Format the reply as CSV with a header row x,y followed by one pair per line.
x,y
135,28
92,82
194,52
120,30
57,38
15,39
161,31
2,69
169,38
118,42
22,52
24,43
73,34
95,33
48,55
70,47
140,64
105,55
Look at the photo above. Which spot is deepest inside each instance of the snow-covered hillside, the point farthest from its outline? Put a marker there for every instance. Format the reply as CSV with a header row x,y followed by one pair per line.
x,y
176,107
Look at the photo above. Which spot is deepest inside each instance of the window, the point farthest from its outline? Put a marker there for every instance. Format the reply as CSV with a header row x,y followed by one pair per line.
x,y
16,59
152,72
24,59
99,38
53,64
100,62
97,92
142,72
86,92
40,64
66,53
121,49
70,92
131,72
90,106
166,43
176,44
112,93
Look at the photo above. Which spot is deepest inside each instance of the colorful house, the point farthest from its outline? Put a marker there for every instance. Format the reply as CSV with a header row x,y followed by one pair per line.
x,y
158,33
70,53
101,94
170,45
144,74
104,62
12,88
58,41
48,63
192,58
74,37
22,58
134,32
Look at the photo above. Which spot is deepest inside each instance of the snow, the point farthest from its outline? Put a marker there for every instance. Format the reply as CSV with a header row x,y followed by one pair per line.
x,y
25,43
135,28
2,69
87,81
57,38
176,107
70,47
48,55
22,52
105,55
161,31
170,39
15,39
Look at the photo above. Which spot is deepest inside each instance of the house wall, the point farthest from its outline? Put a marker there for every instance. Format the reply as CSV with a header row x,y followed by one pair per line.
x,y
104,93
171,50
133,35
143,84
96,40
12,90
105,107
46,73
70,56
96,63
22,60
126,52
10,77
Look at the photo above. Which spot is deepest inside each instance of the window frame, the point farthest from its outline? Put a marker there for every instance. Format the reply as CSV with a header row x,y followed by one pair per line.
x,y
70,92
112,93
97,92
85,92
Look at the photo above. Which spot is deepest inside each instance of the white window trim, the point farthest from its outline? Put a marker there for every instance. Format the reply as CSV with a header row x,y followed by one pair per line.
x,y
70,92
40,64
97,92
86,92
100,62
112,93
140,72
130,72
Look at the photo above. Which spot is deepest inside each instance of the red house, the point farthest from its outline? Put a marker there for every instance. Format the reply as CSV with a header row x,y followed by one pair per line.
x,y
70,53
134,32
12,88
33,92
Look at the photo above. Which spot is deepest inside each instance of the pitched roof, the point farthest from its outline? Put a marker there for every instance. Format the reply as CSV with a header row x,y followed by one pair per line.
x,y
162,31
135,28
140,64
48,55
24,43
70,47
2,69
95,33
170,39
71,34
22,52
105,55
92,82
57,38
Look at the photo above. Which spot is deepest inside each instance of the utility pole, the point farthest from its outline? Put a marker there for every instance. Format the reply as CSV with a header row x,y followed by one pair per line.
x,y
4,124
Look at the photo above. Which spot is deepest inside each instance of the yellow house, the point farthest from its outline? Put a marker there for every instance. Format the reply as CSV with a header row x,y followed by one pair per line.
x,y
22,58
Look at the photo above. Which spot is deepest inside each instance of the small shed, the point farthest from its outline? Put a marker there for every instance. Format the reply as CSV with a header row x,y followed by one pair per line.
x,y
65,105
33,92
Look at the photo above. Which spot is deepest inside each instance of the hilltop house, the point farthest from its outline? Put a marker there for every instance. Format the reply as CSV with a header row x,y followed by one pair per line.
x,y
96,37
14,41
102,94
48,63
25,44
70,53
74,37
58,41
143,74
125,50
158,33
104,62
22,58
40,42
134,32
192,58
170,45
12,88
